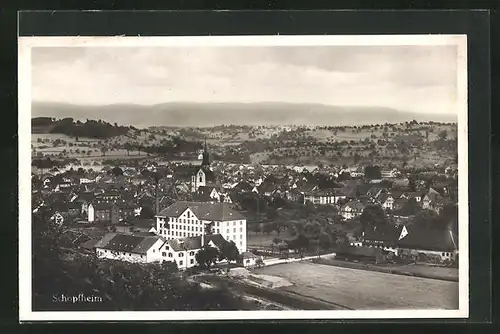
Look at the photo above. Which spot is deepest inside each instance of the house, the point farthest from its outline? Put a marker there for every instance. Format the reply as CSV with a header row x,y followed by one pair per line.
x,y
183,251
384,237
109,196
415,241
136,225
376,191
189,219
207,194
426,244
390,173
131,248
352,209
103,212
57,218
432,201
325,196
125,210
386,201
249,259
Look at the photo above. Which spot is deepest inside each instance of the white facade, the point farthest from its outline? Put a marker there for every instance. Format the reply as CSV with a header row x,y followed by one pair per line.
x,y
198,180
153,254
90,213
188,225
323,199
389,203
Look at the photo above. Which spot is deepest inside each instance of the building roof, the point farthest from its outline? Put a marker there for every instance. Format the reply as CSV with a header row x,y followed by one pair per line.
x,y
89,244
203,210
387,235
354,205
127,243
193,243
248,255
424,238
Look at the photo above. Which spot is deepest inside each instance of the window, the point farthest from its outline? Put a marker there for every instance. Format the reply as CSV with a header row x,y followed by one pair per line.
x,y
234,230
241,243
234,223
189,214
241,229
241,236
164,254
192,261
181,254
154,250
191,253
181,262
241,222
169,254
227,231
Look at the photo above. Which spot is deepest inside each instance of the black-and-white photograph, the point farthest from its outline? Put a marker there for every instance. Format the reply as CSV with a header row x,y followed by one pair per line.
x,y
243,177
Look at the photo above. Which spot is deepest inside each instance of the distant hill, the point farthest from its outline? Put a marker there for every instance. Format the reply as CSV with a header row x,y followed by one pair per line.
x,y
209,114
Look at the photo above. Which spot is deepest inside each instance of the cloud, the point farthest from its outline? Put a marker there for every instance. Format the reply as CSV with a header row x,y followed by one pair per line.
x,y
408,78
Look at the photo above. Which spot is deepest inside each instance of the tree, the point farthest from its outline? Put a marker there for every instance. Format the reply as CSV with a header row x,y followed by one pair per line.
x,y
147,212
428,219
267,228
410,208
206,256
373,172
443,134
312,230
256,228
373,216
325,241
229,252
116,171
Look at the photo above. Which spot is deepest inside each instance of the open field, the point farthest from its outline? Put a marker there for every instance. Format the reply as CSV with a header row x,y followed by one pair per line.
x,y
361,289
419,270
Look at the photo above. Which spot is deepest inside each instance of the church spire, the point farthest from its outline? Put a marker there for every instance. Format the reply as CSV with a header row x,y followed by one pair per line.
x,y
206,157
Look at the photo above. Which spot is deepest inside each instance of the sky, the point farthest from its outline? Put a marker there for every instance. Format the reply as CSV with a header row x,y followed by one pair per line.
x,y
407,78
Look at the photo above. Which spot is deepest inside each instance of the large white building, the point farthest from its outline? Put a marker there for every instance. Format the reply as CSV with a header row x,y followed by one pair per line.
x,y
152,248
131,248
191,219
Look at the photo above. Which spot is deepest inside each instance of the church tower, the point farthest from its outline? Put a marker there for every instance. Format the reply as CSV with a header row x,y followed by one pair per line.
x,y
206,157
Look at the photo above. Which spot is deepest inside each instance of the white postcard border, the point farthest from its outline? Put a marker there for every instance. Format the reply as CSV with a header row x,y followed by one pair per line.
x,y
24,132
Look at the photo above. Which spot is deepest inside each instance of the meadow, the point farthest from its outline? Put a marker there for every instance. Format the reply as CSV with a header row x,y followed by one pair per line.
x,y
365,290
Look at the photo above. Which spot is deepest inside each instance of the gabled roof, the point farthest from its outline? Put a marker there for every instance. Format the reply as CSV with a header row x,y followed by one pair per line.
x,y
354,205
127,243
383,197
388,234
203,210
424,238
89,244
193,243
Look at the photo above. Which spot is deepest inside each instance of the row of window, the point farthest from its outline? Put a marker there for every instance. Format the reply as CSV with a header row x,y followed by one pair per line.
x,y
116,253
197,222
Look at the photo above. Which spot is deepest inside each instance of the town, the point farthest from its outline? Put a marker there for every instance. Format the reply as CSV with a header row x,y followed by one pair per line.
x,y
265,209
